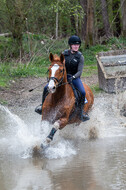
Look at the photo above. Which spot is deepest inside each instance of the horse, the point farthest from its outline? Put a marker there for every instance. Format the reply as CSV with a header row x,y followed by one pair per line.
x,y
59,104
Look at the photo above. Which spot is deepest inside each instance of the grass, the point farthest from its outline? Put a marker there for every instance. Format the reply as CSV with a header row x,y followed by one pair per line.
x,y
35,61
4,81
89,70
3,102
89,54
10,71
95,89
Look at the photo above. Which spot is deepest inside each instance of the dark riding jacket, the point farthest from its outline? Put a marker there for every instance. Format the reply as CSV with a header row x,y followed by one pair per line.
x,y
74,63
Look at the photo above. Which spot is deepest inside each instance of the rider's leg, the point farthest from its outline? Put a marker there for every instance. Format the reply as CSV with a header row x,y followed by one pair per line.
x,y
38,109
79,85
84,116
45,93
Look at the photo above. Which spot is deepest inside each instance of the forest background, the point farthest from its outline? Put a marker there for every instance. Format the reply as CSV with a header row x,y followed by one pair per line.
x,y
31,29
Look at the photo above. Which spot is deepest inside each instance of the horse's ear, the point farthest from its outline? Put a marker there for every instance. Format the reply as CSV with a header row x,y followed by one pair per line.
x,y
62,58
51,57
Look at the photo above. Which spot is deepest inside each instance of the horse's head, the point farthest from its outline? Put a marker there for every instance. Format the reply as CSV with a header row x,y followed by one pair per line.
x,y
56,71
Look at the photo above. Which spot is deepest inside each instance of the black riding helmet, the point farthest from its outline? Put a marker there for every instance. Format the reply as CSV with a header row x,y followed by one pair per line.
x,y
74,40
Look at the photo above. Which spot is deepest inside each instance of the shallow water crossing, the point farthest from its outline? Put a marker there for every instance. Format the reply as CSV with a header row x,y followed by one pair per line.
x,y
91,156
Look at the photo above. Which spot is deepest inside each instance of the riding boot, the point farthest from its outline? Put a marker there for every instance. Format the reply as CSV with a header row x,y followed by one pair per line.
x,y
38,109
83,115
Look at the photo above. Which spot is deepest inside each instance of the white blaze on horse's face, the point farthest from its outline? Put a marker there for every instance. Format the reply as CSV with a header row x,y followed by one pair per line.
x,y
52,85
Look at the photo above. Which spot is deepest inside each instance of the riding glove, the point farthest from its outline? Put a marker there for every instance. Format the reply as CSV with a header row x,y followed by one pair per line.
x,y
71,78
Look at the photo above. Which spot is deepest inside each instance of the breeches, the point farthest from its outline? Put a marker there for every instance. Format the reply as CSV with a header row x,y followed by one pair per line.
x,y
79,85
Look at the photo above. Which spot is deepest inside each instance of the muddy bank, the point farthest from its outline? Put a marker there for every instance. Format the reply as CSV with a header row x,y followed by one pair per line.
x,y
18,92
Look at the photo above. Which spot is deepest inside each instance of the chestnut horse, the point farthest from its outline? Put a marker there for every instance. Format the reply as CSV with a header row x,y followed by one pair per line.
x,y
59,104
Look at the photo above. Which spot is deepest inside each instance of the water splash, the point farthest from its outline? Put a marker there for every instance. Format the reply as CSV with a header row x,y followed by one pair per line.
x,y
62,149
105,120
20,138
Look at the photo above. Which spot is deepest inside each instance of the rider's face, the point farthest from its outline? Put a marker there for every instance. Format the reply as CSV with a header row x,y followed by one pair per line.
x,y
75,47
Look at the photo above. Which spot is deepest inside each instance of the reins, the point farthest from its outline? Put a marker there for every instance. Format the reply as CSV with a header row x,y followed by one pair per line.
x,y
57,80
37,86
63,84
60,82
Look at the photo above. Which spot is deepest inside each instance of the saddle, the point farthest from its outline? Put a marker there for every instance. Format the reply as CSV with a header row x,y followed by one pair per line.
x,y
78,96
78,99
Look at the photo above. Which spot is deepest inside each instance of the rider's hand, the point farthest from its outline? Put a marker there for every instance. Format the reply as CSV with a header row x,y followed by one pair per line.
x,y
71,78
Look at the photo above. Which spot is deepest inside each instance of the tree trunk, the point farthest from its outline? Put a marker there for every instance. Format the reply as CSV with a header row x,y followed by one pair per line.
x,y
116,15
84,23
16,24
123,11
110,15
105,18
73,24
57,15
77,29
90,24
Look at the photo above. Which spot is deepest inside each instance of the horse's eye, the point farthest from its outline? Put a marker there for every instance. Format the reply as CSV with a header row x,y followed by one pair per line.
x,y
61,71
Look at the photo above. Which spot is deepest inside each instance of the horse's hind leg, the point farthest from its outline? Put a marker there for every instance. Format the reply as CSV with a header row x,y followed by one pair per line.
x,y
52,132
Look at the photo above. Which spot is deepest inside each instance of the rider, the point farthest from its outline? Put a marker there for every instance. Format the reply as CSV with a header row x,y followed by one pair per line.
x,y
74,62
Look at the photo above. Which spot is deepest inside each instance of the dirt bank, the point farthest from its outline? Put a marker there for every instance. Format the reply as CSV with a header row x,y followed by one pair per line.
x,y
18,93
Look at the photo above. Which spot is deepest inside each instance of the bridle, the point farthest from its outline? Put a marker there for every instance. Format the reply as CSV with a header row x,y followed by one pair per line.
x,y
58,82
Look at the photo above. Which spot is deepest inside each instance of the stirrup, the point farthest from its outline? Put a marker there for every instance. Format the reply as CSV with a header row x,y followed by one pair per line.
x,y
38,109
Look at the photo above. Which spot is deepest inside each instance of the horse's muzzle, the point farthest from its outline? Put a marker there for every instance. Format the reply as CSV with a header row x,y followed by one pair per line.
x,y
52,86
52,89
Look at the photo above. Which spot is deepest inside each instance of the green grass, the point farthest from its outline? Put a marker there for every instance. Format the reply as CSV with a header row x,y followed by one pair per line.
x,y
4,81
89,54
118,43
3,102
95,89
36,61
89,70
12,70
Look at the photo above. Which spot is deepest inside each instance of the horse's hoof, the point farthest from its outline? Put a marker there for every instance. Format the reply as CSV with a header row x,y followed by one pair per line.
x,y
36,151
44,145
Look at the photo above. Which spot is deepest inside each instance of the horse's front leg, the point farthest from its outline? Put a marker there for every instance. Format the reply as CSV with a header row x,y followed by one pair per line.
x,y
59,124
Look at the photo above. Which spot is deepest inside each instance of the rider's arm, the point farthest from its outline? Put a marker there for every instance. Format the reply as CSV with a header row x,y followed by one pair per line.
x,y
80,67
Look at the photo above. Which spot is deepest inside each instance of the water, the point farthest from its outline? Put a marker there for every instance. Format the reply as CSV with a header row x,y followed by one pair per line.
x,y
90,156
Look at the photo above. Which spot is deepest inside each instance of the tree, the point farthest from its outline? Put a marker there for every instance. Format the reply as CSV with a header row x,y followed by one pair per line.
x,y
123,11
116,18
61,18
84,22
90,24
105,18
70,10
16,19
57,19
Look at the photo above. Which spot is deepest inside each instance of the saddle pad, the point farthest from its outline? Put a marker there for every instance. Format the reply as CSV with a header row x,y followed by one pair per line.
x,y
85,101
